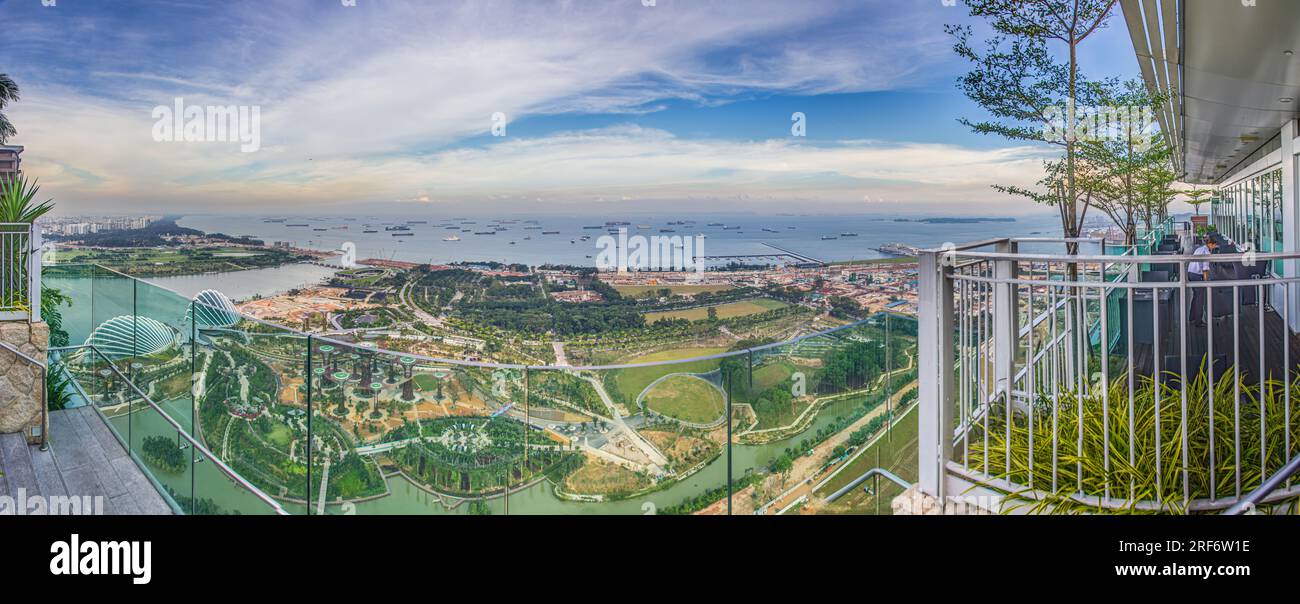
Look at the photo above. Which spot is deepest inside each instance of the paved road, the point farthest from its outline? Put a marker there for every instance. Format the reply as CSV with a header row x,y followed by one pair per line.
x,y
405,296
324,482
560,358
656,458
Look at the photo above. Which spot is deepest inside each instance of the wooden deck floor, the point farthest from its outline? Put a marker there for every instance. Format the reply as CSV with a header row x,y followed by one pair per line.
x,y
84,459
1248,336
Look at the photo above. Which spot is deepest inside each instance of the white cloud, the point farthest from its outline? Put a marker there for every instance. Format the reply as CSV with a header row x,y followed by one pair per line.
x,y
368,103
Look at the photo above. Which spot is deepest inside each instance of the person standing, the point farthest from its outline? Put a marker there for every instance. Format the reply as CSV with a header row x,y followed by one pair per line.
x,y
1199,270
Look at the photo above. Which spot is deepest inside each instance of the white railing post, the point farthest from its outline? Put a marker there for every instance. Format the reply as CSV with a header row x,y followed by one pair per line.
x,y
34,273
935,379
1290,219
1006,324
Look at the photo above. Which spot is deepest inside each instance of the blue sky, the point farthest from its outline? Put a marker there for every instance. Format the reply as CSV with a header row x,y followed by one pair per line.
x,y
683,104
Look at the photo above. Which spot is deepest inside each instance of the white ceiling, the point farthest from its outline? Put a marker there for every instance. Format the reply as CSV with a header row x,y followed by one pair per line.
x,y
1234,74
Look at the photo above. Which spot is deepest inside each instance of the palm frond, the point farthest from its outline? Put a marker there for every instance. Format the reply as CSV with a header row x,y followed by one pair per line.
x,y
17,202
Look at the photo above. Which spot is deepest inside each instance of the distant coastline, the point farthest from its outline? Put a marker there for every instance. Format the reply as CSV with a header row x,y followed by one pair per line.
x,y
954,220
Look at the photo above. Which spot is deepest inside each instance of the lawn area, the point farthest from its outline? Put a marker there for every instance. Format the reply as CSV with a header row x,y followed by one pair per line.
x,y
686,398
777,417
174,386
280,436
426,382
630,382
637,291
163,261
770,375
600,477
725,311
896,453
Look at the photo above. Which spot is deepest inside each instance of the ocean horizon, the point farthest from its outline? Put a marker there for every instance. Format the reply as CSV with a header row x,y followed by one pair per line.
x,y
828,238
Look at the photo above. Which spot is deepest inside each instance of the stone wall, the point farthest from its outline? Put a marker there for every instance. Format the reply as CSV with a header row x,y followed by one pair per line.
x,y
21,387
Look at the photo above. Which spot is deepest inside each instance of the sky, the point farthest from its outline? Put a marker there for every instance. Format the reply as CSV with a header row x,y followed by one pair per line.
x,y
531,106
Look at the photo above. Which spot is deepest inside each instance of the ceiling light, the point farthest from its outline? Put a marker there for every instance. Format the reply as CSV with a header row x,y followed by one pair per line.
x,y
1285,99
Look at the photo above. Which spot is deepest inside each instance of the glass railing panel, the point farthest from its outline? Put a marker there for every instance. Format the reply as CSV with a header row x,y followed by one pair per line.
x,y
250,399
112,302
402,435
393,433
161,450
889,442
161,364
70,322
631,440
83,369
817,404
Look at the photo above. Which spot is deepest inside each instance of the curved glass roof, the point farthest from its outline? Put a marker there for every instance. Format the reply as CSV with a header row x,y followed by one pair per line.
x,y
214,309
126,336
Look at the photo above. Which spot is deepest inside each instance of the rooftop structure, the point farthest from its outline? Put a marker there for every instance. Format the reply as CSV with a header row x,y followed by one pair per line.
x,y
1116,379
10,162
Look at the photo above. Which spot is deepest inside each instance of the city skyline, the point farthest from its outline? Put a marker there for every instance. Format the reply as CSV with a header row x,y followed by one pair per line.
x,y
606,108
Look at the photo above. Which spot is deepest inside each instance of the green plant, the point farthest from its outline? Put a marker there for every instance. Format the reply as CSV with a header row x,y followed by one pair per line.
x,y
51,300
1196,197
8,92
1205,229
17,202
1244,421
58,387
162,452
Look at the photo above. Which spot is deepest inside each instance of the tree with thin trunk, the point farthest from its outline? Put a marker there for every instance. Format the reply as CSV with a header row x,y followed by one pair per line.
x,y
1130,165
8,94
1020,78
1196,197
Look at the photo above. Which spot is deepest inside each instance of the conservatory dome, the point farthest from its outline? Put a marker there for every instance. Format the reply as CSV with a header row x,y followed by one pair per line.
x,y
214,309
114,337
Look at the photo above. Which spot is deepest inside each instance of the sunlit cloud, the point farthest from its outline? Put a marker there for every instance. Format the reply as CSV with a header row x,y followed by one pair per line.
x,y
392,102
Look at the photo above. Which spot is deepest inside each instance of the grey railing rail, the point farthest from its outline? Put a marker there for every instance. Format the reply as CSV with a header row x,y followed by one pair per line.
x,y
1262,492
221,465
863,478
45,404
1007,335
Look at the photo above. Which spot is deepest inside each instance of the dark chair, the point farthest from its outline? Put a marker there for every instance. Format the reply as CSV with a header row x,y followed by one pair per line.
x,y
1168,268
1144,318
1221,297
1250,294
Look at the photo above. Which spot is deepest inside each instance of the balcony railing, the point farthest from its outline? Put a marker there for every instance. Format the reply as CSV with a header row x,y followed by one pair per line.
x,y
20,272
1106,382
232,414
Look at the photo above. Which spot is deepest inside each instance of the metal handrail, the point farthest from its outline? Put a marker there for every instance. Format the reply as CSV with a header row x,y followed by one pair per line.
x,y
869,473
985,307
45,403
287,331
225,469
1262,492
